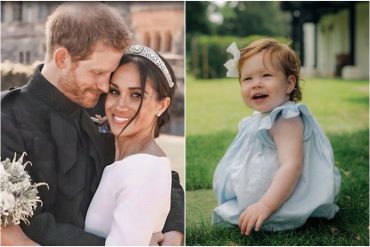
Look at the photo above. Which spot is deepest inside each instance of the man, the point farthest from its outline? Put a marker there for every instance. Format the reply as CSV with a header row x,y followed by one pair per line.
x,y
46,119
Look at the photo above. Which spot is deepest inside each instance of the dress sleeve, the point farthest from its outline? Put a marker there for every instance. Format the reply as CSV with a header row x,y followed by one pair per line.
x,y
143,198
243,123
175,219
286,111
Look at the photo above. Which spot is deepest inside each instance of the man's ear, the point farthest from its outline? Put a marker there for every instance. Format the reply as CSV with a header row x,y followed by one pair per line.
x,y
62,58
291,83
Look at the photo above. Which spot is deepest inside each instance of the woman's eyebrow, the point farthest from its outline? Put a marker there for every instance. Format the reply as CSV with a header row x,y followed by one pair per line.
x,y
130,88
113,84
134,88
137,88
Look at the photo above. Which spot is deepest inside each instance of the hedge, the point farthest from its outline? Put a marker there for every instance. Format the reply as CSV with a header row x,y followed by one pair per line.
x,y
207,54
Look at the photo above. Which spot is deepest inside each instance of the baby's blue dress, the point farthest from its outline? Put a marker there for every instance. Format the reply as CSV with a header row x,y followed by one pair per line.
x,y
248,167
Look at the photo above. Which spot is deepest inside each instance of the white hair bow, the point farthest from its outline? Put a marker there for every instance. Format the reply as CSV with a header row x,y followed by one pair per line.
x,y
232,64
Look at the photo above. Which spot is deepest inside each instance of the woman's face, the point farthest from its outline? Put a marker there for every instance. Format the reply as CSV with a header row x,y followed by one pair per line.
x,y
123,101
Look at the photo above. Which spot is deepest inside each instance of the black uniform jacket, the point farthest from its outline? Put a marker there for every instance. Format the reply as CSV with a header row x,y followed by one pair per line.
x,y
68,153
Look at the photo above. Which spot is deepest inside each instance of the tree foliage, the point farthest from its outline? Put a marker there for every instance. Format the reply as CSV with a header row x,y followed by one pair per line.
x,y
197,21
253,18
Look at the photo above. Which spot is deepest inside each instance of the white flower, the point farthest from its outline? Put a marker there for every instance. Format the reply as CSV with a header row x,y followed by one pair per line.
x,y
232,64
2,171
18,196
7,202
4,176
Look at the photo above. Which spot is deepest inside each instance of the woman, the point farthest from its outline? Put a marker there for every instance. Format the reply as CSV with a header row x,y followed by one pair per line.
x,y
133,197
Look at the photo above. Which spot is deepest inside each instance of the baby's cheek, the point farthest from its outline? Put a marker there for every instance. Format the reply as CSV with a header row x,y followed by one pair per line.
x,y
244,94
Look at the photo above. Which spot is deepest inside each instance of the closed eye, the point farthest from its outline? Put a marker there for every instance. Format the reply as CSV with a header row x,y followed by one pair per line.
x,y
267,75
247,79
97,72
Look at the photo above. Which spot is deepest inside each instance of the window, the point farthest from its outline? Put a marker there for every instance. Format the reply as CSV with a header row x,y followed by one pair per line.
x,y
21,57
157,42
28,57
168,42
28,12
2,12
42,11
146,39
17,11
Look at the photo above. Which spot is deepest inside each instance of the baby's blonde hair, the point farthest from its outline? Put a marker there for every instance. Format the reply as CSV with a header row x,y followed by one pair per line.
x,y
281,56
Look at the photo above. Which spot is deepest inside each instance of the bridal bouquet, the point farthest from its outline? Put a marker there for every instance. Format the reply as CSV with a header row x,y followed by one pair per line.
x,y
18,196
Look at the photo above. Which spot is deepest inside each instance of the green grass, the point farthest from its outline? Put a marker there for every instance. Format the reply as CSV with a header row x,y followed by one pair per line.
x,y
214,108
216,105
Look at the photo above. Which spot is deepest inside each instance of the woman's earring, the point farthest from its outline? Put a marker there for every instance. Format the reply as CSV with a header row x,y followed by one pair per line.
x,y
159,114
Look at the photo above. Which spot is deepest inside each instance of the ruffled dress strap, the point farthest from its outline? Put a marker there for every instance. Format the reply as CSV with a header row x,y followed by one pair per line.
x,y
287,110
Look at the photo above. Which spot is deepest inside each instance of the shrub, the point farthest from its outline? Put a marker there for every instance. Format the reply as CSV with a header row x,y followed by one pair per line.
x,y
15,74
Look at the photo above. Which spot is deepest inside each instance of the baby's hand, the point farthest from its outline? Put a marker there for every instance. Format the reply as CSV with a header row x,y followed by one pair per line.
x,y
254,215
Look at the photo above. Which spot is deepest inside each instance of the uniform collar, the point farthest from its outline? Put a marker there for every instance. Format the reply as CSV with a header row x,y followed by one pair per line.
x,y
42,89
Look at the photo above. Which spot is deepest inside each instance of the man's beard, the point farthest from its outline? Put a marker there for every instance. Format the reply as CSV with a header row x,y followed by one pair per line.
x,y
68,85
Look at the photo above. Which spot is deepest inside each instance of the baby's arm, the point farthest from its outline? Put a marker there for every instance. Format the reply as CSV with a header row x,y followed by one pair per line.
x,y
288,137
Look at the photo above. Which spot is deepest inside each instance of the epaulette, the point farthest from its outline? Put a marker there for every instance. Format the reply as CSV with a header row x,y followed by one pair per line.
x,y
10,92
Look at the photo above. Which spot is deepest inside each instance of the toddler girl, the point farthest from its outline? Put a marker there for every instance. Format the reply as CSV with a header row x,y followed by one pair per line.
x,y
279,170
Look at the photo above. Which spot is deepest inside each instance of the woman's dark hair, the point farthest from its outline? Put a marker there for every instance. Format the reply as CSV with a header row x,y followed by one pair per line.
x,y
147,69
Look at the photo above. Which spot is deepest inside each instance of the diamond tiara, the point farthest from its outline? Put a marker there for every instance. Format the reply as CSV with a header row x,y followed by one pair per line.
x,y
152,56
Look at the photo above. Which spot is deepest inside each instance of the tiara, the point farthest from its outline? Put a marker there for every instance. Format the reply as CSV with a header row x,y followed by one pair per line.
x,y
152,56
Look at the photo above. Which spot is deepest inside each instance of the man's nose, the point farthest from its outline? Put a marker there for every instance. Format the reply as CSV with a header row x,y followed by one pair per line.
x,y
103,83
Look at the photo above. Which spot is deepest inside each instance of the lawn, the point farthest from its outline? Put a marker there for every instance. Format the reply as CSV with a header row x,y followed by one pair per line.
x,y
214,109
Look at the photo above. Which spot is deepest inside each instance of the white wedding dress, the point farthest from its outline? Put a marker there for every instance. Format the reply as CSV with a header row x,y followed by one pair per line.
x,y
132,201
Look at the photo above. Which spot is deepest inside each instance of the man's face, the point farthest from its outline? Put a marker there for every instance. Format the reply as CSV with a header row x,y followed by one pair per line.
x,y
86,80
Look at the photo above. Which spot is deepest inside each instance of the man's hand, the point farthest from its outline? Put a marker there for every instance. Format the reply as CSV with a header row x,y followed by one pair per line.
x,y
172,238
13,235
254,215
156,239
